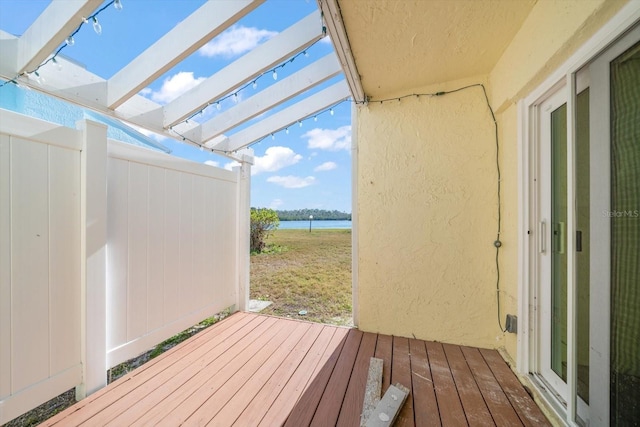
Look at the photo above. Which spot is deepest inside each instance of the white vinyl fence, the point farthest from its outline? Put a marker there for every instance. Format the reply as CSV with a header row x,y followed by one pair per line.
x,y
106,249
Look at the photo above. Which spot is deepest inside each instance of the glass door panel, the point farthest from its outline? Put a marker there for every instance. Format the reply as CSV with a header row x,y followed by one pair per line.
x,y
583,251
625,237
558,242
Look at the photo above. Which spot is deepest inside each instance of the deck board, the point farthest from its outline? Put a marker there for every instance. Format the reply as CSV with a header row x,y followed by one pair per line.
x,y
290,380
354,397
529,413
449,406
384,351
425,405
329,407
401,373
473,403
501,410
252,370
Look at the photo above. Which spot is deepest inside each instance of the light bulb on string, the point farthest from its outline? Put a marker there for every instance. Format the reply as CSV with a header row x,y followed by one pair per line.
x,y
299,123
96,26
218,105
306,54
69,41
38,78
273,137
315,118
201,148
286,130
56,63
255,84
275,75
235,97
331,111
117,4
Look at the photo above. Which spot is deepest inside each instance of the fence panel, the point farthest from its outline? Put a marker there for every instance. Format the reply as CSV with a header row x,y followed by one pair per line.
x,y
40,309
171,247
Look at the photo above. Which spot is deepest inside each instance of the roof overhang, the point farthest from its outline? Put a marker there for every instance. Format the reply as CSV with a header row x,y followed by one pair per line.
x,y
389,47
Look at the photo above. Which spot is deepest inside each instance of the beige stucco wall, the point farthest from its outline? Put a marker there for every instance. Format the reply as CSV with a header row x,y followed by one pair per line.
x,y
427,217
427,190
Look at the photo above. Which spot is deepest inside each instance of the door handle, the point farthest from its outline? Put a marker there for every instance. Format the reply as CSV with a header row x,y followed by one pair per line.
x,y
561,237
578,241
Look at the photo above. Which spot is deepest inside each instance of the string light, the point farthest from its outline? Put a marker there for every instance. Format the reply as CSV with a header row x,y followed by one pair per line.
x,y
331,111
254,83
96,26
69,41
286,128
57,64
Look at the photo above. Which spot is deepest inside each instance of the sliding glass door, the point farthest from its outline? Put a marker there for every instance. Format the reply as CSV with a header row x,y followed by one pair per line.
x,y
587,198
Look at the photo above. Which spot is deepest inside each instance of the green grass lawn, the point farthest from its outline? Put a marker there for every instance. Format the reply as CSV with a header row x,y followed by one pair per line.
x,y
305,271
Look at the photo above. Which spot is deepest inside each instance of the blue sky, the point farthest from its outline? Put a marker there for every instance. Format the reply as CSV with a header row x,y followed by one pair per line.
x,y
309,166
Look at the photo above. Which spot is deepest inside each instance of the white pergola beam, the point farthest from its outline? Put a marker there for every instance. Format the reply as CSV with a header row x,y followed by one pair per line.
x,y
291,41
290,115
49,31
197,29
310,76
335,28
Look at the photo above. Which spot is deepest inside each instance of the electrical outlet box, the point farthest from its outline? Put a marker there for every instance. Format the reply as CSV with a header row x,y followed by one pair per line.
x,y
511,325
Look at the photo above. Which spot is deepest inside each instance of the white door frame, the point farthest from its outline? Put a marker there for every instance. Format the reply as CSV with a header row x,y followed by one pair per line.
x,y
564,77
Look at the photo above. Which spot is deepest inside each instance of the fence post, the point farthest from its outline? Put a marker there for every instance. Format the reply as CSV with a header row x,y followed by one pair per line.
x,y
243,230
93,215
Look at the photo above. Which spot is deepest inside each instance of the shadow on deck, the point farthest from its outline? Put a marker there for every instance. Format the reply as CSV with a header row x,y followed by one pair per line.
x,y
252,369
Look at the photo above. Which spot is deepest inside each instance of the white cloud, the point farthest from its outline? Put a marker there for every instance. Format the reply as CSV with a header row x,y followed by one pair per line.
x,y
173,86
274,159
291,181
276,203
329,139
235,41
212,163
326,166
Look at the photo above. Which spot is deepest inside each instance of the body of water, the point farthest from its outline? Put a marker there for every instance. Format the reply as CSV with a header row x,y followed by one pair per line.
x,y
304,225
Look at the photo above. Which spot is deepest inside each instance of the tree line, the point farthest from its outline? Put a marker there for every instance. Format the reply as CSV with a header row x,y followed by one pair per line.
x,y
318,214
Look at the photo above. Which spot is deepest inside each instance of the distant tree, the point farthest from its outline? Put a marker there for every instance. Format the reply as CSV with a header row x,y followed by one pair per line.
x,y
318,214
263,222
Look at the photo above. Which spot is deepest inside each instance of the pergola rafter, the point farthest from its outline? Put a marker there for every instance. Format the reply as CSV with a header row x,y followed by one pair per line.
x,y
50,30
184,39
119,95
307,107
284,45
310,76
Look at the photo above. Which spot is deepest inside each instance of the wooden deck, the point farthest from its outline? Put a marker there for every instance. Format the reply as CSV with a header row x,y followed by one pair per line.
x,y
253,370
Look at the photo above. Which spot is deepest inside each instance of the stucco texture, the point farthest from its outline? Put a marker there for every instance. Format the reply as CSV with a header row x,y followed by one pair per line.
x,y
428,217
426,183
